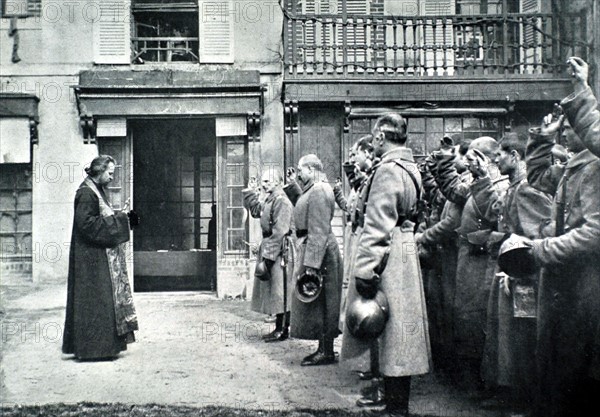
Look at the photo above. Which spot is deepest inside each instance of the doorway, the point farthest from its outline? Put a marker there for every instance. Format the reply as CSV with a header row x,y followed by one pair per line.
x,y
174,191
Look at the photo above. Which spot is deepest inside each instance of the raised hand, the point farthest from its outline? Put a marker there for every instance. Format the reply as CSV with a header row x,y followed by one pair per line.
x,y
580,71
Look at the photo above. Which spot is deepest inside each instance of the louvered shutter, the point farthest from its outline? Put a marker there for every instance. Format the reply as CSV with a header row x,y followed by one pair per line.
x,y
216,31
530,38
439,36
112,32
316,35
355,33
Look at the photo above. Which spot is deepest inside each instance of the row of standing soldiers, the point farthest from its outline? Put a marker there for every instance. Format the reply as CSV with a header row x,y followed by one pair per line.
x,y
429,236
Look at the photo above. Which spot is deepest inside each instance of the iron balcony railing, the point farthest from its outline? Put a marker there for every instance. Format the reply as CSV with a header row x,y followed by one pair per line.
x,y
164,49
453,45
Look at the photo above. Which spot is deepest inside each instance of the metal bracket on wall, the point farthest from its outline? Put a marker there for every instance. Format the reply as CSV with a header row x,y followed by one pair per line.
x,y
33,131
88,128
253,126
347,111
291,116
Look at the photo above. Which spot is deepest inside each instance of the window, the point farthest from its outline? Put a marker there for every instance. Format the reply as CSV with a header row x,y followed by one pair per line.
x,y
165,31
15,221
21,8
234,173
424,133
184,31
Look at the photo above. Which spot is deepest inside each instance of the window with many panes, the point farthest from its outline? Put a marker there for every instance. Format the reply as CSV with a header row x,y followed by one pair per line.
x,y
234,173
424,133
15,220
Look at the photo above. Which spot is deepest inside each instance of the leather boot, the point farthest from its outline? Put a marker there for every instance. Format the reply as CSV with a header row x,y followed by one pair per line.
x,y
280,333
279,336
312,355
375,397
326,356
278,328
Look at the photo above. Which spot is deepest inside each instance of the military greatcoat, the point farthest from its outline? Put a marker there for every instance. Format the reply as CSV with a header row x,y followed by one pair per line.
x,y
276,222
390,197
473,282
317,248
510,341
568,341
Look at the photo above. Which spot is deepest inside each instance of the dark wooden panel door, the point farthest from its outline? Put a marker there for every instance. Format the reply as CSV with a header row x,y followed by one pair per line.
x,y
320,132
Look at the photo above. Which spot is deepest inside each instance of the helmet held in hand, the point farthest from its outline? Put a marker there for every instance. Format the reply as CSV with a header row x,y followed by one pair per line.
x,y
366,318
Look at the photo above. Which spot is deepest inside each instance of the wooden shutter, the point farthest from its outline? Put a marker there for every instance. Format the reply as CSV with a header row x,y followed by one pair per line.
x,y
440,36
216,31
112,32
530,53
317,34
356,35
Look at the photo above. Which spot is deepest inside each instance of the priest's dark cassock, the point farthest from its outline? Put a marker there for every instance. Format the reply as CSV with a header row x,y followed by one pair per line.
x,y
100,317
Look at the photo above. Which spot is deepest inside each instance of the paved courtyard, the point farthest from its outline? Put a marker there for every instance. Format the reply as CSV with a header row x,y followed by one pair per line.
x,y
192,349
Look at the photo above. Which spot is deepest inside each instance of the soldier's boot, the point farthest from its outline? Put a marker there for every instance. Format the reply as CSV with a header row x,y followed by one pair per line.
x,y
374,396
324,356
278,328
281,332
306,361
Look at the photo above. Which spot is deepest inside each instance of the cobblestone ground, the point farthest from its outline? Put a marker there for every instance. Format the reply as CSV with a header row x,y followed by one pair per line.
x,y
193,350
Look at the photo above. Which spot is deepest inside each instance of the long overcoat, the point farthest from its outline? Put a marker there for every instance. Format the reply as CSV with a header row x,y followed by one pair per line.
x,y
91,324
473,280
510,341
317,248
276,222
443,236
350,235
568,334
390,197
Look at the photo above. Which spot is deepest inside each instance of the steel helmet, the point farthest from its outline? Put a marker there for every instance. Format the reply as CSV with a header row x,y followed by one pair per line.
x,y
366,317
262,272
516,257
308,287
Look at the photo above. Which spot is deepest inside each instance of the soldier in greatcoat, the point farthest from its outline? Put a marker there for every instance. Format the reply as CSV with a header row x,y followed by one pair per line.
x,y
473,262
318,253
581,107
568,333
389,200
273,296
510,340
443,236
361,161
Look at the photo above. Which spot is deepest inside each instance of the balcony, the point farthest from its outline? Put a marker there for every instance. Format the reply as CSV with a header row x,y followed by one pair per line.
x,y
510,45
164,49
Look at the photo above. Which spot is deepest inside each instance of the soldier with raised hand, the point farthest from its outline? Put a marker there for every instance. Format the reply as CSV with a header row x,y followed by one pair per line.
x,y
568,329
386,245
273,277
473,283
581,107
510,340
318,260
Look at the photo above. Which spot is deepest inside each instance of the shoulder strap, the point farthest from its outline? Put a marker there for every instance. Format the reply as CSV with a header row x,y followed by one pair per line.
x,y
418,211
411,175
